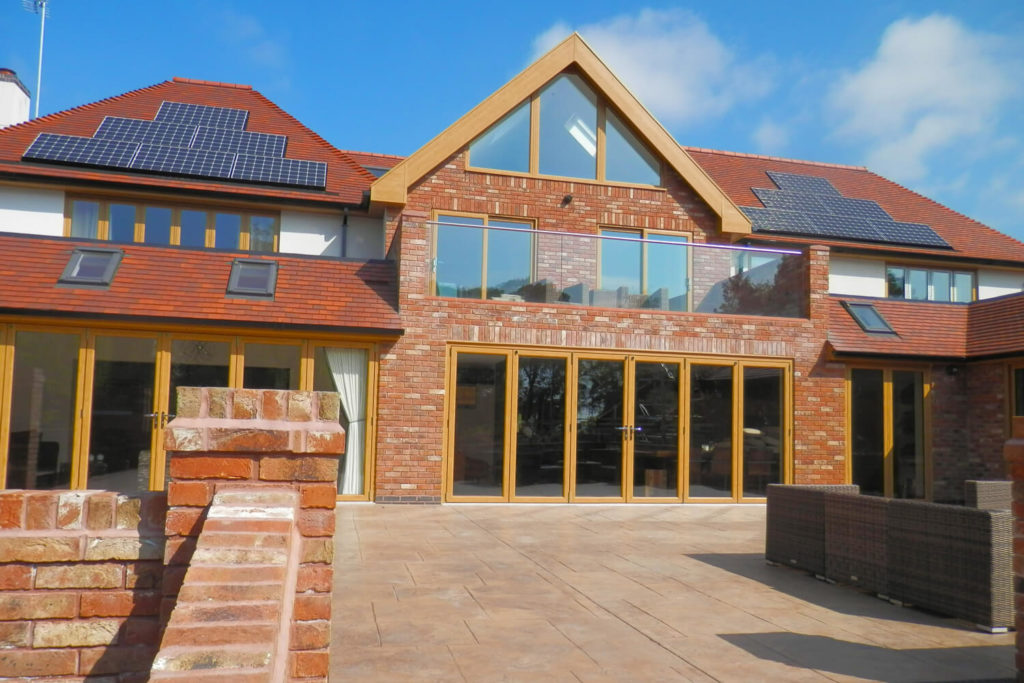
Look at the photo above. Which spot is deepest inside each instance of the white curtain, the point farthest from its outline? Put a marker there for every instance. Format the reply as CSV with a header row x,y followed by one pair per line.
x,y
348,367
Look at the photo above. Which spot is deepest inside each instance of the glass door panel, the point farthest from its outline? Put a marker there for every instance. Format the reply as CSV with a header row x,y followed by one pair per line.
x,y
540,436
655,435
762,429
711,404
41,439
907,435
271,366
197,363
121,431
867,430
600,428
478,458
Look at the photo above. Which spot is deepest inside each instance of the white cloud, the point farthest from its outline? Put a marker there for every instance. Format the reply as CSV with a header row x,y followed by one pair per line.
x,y
932,84
770,137
252,40
671,61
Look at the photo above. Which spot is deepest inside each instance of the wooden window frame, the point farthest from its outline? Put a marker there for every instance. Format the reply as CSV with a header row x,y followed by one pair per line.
x,y
602,106
647,234
929,270
528,223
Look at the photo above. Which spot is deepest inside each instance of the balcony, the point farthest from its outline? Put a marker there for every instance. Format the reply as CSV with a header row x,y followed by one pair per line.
x,y
616,269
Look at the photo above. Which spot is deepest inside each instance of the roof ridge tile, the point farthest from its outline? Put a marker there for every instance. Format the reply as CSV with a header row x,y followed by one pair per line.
x,y
747,155
216,84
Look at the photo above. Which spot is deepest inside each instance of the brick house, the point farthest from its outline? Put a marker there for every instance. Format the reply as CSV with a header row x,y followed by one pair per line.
x,y
552,300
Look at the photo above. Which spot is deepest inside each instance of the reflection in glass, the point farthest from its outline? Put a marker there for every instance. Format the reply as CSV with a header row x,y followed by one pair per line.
x,y
478,459
271,366
941,280
459,258
261,233
540,437
85,219
193,228
907,434
667,277
656,437
762,429
158,225
963,288
895,282
568,128
917,282
122,222
227,230
599,428
197,363
505,146
621,264
509,255
626,159
121,433
710,431
867,424
43,412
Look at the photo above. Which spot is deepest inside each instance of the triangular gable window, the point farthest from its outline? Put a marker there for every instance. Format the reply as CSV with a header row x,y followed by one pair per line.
x,y
568,140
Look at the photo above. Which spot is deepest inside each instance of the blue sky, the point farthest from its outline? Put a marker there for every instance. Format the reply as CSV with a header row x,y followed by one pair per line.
x,y
926,93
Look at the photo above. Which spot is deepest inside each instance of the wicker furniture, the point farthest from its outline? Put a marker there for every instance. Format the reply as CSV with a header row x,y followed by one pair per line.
x,y
947,558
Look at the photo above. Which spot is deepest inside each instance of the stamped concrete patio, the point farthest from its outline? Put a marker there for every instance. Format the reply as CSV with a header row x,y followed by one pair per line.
x,y
615,593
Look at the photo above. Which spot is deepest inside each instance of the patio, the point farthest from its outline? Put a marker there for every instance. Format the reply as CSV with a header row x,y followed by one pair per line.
x,y
615,593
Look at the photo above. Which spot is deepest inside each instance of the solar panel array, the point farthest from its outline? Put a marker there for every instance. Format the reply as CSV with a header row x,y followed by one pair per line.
x,y
809,205
185,140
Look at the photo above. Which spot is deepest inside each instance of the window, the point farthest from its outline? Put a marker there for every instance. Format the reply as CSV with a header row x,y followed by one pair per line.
x,y
922,284
253,278
645,263
91,267
868,317
1018,392
482,257
195,227
576,135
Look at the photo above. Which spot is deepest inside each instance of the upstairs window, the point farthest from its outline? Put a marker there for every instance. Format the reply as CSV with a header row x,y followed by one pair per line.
x,y
482,257
92,267
196,227
647,263
923,284
566,130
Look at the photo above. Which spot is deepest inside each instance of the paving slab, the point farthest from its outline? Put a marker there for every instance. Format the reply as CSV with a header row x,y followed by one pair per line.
x,y
596,593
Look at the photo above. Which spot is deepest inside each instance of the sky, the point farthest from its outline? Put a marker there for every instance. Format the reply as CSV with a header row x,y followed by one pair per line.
x,y
928,94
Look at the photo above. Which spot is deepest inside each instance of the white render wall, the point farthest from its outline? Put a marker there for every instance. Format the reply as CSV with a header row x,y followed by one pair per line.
x,y
856,277
32,211
993,283
14,104
313,234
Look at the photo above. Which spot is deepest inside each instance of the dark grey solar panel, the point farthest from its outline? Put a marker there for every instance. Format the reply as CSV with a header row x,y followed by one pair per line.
x,y
201,115
810,184
151,132
847,227
862,208
240,142
790,201
280,171
181,161
911,233
71,149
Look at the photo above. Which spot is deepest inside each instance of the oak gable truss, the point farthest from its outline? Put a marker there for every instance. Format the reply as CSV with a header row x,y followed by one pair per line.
x,y
573,52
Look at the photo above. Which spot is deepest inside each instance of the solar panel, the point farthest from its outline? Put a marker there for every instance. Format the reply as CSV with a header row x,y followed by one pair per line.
x,y
240,142
810,184
202,115
791,201
863,208
71,149
152,132
280,171
912,233
182,161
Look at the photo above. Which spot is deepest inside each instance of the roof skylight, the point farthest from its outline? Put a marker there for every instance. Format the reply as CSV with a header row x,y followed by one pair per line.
x,y
250,278
91,266
868,317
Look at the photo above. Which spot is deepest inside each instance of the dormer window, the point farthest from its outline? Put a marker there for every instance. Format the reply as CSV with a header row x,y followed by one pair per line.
x,y
91,267
566,130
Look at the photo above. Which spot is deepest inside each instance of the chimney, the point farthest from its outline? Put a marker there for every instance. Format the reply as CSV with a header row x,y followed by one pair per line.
x,y
14,99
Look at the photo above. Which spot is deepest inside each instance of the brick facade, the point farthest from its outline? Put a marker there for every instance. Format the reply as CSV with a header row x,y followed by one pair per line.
x,y
412,370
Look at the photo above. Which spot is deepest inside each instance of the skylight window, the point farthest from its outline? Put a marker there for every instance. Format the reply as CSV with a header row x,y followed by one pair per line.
x,y
253,278
868,317
91,266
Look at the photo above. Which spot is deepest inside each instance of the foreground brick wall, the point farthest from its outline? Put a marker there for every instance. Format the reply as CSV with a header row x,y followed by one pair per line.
x,y
257,443
412,369
80,584
1013,452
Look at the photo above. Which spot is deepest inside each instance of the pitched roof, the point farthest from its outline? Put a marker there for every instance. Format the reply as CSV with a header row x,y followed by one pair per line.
x,y
175,284
996,326
922,328
347,180
737,174
393,186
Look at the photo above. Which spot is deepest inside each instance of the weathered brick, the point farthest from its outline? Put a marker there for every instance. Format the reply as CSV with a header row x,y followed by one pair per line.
x,y
312,663
120,603
248,440
186,466
189,493
319,495
219,402
80,576
143,574
15,577
191,592
245,405
40,549
41,510
300,406
274,405
304,468
189,402
128,512
100,510
70,510
15,634
311,606
37,663
316,522
213,634
119,659
318,550
14,606
202,659
124,548
310,635
185,521
314,577
78,633
328,406
12,510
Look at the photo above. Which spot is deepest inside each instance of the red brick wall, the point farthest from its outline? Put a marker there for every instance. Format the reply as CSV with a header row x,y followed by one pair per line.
x,y
80,584
986,420
410,407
